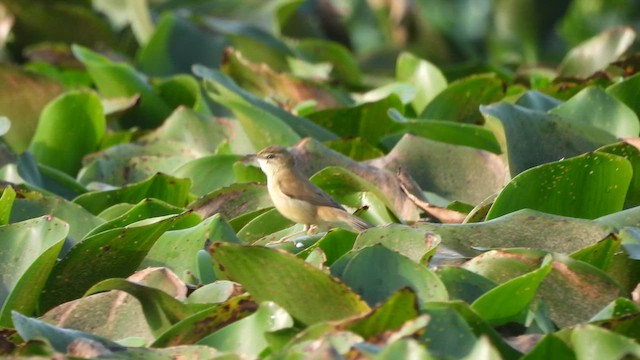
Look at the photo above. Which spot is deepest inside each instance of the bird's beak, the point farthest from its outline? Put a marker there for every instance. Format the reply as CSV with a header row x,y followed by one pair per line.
x,y
250,159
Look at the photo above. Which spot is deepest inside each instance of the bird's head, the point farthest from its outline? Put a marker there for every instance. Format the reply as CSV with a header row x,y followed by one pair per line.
x,y
274,158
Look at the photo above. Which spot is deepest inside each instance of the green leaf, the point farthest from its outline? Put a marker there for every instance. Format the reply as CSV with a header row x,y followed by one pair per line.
x,y
463,284
400,307
163,187
310,295
627,91
113,253
368,121
392,272
522,228
591,342
509,301
121,80
356,149
29,251
177,44
416,244
595,107
596,53
344,67
6,203
209,173
630,152
232,201
461,99
178,249
70,127
601,254
424,76
587,186
161,309
550,345
205,322
534,137
33,329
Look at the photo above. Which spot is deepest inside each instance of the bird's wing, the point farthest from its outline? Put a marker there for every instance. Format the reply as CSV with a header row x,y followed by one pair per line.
x,y
305,190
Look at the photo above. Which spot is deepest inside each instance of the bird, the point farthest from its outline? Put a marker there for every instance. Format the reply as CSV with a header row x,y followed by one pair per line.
x,y
297,198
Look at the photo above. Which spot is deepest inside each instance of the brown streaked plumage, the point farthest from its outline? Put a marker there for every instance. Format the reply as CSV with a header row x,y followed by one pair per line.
x,y
297,198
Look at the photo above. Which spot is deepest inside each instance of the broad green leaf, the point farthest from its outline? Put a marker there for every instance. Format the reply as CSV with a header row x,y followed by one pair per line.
x,y
205,322
463,284
461,99
522,228
535,100
233,200
630,152
587,186
29,251
592,342
596,53
161,309
121,80
23,95
535,137
308,294
451,171
368,121
268,223
627,92
33,329
392,272
183,91
288,127
404,349
334,244
509,301
6,203
209,173
356,148
177,44
344,67
424,76
595,107
247,336
178,249
454,329
113,253
573,291
450,132
550,345
171,190
146,209
70,127
600,254
416,244
400,307
620,307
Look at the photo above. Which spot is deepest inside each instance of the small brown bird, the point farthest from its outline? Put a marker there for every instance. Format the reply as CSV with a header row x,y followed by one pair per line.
x,y
297,198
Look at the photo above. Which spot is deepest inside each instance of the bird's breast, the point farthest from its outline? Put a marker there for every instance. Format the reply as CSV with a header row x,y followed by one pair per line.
x,y
299,211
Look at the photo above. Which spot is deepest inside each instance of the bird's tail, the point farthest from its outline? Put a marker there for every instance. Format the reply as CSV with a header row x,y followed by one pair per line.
x,y
356,223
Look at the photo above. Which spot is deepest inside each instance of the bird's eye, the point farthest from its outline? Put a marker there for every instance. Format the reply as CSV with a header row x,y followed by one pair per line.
x,y
270,156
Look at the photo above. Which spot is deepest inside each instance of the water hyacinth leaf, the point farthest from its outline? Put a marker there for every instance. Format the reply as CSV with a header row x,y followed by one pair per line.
x,y
595,107
31,204
596,53
592,342
368,121
289,127
207,321
394,272
6,203
182,91
424,76
333,244
31,329
509,301
267,223
163,187
73,274
535,100
121,80
451,171
209,173
627,91
450,132
461,99
310,296
357,149
573,291
463,284
23,95
247,336
550,344
30,250
233,200
534,137
628,150
178,250
601,254
618,308
344,66
403,349
177,44
416,244
603,180
160,309
454,328
70,126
